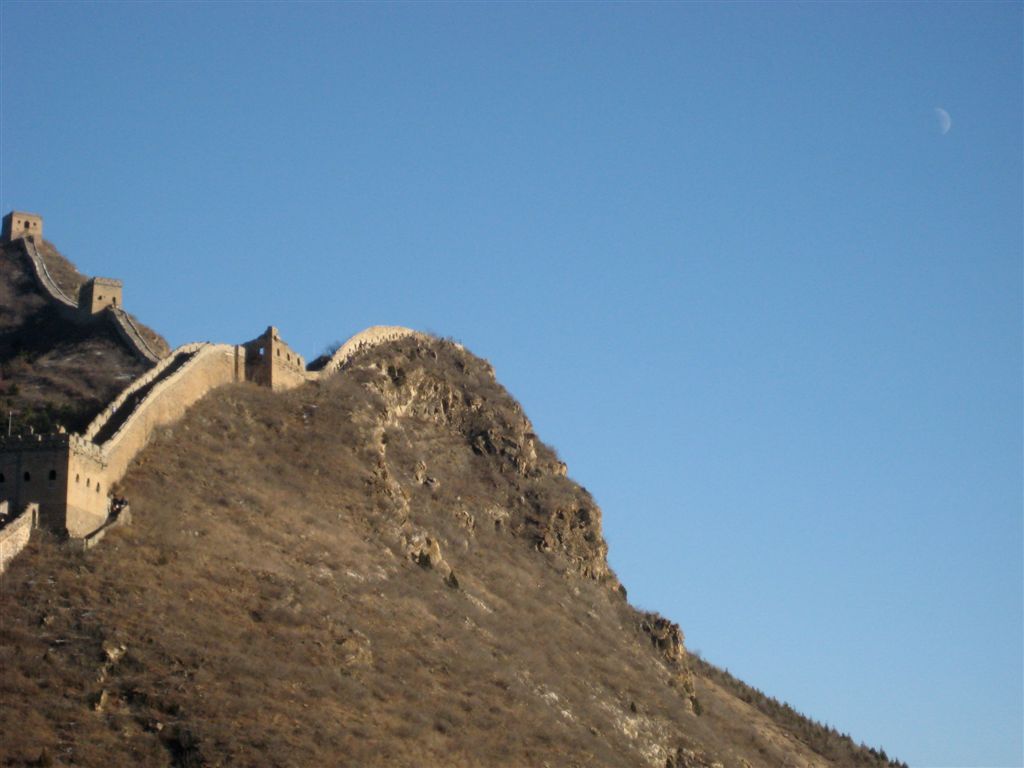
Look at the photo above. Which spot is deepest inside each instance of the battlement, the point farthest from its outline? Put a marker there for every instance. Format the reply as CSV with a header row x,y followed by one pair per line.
x,y
19,224
34,442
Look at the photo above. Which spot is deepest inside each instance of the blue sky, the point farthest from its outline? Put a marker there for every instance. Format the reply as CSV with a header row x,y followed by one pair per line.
x,y
768,312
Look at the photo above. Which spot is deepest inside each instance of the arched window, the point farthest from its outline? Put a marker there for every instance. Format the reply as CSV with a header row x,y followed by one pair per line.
x,y
2,478
78,478
53,474
28,476
97,487
88,482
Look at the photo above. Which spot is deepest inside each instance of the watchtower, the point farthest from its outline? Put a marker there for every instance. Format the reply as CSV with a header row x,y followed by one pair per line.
x,y
18,224
272,363
98,294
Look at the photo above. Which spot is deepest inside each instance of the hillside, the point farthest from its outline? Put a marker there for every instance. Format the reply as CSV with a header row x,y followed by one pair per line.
x,y
53,371
385,567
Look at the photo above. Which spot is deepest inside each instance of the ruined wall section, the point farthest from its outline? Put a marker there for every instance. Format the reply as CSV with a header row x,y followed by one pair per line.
x,y
15,535
211,366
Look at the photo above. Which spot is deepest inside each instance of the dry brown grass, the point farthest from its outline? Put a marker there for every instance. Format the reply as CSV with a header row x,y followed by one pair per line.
x,y
271,616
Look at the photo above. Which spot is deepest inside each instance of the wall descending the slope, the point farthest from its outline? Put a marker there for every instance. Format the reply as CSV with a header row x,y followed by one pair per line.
x,y
70,309
45,279
104,417
209,367
131,334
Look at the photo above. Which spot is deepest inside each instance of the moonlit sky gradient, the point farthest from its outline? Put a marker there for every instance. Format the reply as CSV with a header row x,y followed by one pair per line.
x,y
723,254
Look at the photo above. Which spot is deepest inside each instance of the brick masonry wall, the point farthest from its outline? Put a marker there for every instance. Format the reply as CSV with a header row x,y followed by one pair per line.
x,y
16,534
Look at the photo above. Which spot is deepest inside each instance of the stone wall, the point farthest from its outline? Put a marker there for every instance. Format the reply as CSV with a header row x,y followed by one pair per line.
x,y
212,366
87,500
91,306
131,334
371,337
34,468
45,280
16,534
153,373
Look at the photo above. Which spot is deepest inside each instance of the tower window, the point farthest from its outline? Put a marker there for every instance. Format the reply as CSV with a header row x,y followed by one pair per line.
x,y
53,474
28,476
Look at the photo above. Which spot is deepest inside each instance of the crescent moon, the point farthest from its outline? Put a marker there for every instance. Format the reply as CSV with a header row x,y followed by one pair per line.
x,y
945,121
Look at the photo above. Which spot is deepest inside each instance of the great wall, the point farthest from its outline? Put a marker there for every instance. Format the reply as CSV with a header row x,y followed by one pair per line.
x,y
62,482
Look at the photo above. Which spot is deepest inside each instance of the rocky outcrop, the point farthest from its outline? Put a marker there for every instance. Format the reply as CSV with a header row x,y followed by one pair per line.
x,y
667,637
430,380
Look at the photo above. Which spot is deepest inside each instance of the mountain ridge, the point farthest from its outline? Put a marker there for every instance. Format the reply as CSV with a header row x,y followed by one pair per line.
x,y
414,463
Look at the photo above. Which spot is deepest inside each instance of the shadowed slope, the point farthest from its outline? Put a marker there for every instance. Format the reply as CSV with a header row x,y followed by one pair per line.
x,y
53,371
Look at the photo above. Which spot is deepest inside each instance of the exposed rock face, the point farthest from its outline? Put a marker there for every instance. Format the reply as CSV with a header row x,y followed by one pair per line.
x,y
667,637
413,379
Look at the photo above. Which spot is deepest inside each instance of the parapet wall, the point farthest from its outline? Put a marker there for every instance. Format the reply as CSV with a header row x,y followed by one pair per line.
x,y
131,334
211,366
15,535
153,373
44,278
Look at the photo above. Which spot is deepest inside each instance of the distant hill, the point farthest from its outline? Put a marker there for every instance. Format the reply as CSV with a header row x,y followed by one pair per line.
x,y
53,371
384,567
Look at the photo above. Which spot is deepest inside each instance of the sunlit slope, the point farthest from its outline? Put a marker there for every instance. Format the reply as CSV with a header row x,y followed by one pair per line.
x,y
383,568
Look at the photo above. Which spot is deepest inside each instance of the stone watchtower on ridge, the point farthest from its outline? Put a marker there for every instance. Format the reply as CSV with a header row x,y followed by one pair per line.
x,y
272,363
19,224
98,294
